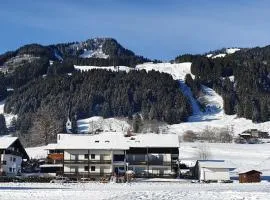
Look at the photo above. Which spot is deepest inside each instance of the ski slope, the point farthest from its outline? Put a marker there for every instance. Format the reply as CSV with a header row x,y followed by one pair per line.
x,y
212,116
8,117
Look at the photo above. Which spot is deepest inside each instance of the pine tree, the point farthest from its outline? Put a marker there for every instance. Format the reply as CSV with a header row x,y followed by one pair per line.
x,y
3,126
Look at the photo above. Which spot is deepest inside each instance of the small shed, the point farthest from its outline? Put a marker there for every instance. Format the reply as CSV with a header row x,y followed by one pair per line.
x,y
212,170
251,176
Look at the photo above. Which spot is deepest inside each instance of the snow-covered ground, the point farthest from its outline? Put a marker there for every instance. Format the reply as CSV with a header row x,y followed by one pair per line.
x,y
134,191
241,156
110,124
8,117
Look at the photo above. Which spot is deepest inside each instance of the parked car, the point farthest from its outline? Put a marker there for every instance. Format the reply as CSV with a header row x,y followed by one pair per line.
x,y
60,179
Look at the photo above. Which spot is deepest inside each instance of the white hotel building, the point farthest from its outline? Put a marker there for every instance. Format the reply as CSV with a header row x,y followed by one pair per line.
x,y
148,155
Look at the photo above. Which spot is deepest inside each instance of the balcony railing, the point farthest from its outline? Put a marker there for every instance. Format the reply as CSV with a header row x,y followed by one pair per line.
x,y
87,162
150,162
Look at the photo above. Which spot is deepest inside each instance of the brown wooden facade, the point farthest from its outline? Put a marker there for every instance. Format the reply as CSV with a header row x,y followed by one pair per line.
x,y
251,176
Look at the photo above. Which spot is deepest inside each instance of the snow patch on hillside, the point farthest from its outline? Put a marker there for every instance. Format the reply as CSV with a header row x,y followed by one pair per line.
x,y
109,68
94,54
110,124
221,55
8,117
232,50
177,70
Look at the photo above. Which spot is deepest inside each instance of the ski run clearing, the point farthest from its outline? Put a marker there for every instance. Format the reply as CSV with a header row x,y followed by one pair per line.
x,y
212,117
8,117
134,191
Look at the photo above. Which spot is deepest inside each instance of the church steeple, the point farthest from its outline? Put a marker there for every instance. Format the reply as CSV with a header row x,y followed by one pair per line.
x,y
68,126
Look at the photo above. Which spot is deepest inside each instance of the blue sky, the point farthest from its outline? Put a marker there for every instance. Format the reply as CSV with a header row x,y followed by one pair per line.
x,y
152,28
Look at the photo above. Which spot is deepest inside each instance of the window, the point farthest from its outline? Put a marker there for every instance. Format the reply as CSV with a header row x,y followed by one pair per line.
x,y
13,169
93,168
10,169
97,141
93,156
14,159
4,162
86,168
118,158
10,159
86,156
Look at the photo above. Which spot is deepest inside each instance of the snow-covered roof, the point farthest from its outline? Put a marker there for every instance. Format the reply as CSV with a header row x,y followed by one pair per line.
x,y
215,164
114,140
51,165
153,140
243,171
5,141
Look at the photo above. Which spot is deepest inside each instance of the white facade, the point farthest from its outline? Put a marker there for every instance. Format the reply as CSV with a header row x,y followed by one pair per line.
x,y
11,164
213,170
11,156
109,153
214,174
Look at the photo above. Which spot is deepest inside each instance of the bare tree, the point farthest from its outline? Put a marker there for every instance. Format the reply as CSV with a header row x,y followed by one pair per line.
x,y
45,128
203,152
189,136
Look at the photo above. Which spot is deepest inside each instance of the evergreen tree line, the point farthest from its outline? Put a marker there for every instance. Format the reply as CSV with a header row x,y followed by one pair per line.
x,y
156,96
248,94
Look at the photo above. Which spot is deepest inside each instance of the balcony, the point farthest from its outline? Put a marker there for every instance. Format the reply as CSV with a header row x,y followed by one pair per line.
x,y
56,156
150,162
92,162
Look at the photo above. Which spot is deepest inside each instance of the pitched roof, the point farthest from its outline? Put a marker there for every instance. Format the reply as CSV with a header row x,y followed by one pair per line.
x,y
221,164
6,141
114,140
249,171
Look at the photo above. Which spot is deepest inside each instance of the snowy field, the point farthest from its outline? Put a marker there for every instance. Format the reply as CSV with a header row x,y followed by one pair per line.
x,y
240,156
134,191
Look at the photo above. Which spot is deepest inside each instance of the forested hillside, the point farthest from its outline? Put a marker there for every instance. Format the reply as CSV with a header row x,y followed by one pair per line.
x,y
242,78
97,93
48,89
